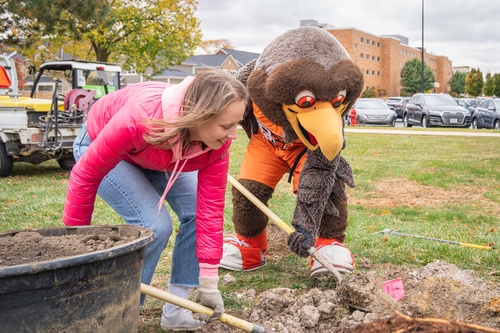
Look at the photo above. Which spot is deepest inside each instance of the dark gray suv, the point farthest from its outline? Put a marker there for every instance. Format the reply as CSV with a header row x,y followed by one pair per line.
x,y
438,110
487,114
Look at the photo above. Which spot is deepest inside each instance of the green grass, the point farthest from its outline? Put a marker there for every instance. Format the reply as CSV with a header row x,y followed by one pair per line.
x,y
466,167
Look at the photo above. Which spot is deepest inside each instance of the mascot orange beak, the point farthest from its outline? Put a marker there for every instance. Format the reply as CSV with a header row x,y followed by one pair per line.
x,y
319,126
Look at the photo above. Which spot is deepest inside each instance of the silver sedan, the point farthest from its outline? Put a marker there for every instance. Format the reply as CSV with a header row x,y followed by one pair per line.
x,y
373,111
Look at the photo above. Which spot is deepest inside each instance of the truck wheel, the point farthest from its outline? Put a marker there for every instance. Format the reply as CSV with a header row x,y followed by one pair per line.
x,y
6,161
66,163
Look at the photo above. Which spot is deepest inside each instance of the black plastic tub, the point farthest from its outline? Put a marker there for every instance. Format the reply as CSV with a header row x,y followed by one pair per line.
x,y
92,292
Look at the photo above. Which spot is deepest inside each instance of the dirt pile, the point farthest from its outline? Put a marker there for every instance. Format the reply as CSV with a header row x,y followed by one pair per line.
x,y
24,247
437,298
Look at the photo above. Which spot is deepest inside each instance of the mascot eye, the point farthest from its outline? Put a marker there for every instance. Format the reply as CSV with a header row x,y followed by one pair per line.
x,y
339,99
305,99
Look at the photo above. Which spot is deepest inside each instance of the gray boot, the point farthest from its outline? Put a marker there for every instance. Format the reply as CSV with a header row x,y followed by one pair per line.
x,y
179,319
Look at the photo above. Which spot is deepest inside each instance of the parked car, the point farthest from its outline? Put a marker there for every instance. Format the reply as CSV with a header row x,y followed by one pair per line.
x,y
471,101
373,111
428,110
391,101
399,107
487,114
463,103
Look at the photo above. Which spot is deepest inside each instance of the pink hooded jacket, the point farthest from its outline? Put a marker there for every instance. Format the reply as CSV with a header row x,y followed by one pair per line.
x,y
115,126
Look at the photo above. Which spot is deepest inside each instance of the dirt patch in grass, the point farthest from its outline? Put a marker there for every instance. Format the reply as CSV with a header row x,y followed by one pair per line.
x,y
438,297
397,192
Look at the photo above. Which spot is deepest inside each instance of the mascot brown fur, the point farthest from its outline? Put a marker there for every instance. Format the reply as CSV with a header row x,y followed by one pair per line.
x,y
300,88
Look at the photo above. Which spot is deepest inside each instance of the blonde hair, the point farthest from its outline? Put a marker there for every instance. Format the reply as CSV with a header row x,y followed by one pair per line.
x,y
206,98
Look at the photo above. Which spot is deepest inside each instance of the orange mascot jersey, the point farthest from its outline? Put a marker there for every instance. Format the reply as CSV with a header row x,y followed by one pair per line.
x,y
269,157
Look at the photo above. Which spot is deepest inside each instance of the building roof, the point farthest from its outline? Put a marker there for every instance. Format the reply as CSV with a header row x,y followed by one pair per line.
x,y
212,60
172,73
242,57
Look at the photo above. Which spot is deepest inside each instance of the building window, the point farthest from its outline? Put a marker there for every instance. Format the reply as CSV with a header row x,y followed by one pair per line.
x,y
362,39
373,42
378,59
373,58
355,45
367,72
378,73
367,41
367,57
378,44
373,73
362,56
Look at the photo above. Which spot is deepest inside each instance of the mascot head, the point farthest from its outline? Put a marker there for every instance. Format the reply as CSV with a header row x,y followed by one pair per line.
x,y
305,81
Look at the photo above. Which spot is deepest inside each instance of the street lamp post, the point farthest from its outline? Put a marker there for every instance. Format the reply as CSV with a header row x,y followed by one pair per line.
x,y
422,50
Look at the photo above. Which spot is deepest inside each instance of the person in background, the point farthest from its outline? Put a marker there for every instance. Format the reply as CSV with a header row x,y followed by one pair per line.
x,y
151,142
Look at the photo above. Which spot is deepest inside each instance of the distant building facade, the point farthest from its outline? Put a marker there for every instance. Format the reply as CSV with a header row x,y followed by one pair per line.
x,y
381,59
463,69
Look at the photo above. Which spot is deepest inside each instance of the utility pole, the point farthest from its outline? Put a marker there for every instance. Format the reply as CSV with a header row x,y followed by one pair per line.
x,y
422,51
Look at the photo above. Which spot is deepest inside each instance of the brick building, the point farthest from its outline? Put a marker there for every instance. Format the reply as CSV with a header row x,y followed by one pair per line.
x,y
381,59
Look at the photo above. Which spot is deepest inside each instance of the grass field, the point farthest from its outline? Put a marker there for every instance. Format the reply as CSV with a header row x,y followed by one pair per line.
x,y
434,186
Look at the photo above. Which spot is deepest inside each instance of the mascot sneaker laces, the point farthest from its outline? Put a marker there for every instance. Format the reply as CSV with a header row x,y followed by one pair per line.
x,y
244,254
336,254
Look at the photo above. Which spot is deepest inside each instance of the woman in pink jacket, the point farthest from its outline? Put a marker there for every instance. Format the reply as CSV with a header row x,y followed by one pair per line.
x,y
151,142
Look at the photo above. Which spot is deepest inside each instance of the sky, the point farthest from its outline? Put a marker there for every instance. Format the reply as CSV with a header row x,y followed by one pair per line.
x,y
466,31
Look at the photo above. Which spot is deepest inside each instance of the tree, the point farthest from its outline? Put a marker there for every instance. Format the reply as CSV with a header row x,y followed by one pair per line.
x,y
489,85
411,77
496,84
457,83
474,82
135,33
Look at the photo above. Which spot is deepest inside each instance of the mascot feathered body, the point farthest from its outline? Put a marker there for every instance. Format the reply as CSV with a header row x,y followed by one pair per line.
x,y
300,88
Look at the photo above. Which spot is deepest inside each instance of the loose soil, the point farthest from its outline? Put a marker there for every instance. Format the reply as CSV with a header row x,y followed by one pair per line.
x,y
438,297
24,247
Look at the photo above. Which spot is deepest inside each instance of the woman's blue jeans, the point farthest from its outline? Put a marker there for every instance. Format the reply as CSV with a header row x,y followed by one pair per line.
x,y
134,194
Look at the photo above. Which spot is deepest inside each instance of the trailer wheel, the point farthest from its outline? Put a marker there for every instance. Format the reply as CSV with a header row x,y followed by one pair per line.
x,y
6,161
66,163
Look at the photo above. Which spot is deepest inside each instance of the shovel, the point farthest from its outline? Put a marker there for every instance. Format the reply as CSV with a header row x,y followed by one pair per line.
x,y
198,308
288,229
393,232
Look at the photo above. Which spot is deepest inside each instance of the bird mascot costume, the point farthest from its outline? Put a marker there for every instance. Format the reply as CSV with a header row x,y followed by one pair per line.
x,y
300,88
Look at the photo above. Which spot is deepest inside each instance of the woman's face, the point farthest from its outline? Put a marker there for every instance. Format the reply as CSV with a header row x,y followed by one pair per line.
x,y
222,128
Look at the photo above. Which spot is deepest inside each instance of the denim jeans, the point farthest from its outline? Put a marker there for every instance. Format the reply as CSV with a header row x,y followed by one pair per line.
x,y
134,194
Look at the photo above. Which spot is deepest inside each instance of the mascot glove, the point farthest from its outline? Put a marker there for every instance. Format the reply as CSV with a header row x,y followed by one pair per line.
x,y
299,241
209,295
